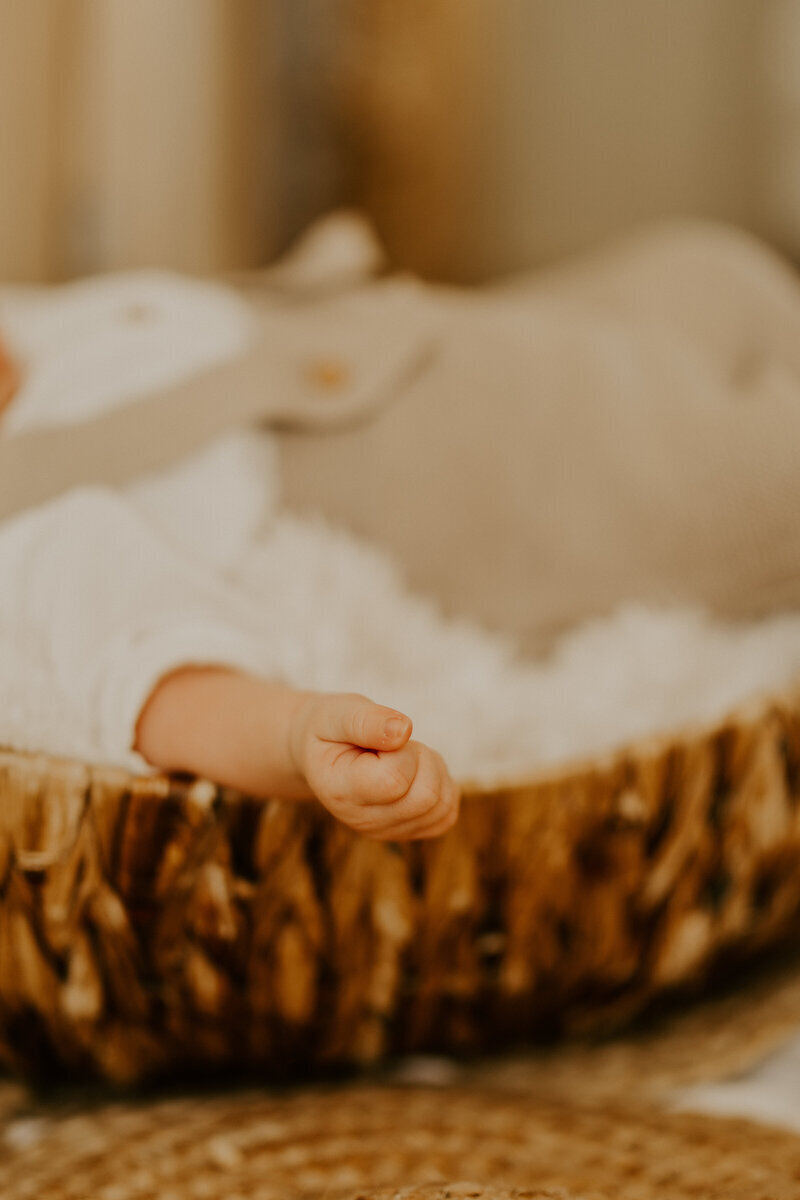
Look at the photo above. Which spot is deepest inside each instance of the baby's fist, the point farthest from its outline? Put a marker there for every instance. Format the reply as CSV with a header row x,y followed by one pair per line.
x,y
359,761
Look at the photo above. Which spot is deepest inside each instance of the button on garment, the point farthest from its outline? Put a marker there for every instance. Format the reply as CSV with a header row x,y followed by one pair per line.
x,y
583,438
328,375
532,455
105,590
321,364
89,348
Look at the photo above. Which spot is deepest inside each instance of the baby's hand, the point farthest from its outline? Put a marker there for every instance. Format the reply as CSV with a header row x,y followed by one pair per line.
x,y
358,760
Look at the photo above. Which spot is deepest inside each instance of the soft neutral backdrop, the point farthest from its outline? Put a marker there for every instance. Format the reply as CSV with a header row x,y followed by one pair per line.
x,y
482,135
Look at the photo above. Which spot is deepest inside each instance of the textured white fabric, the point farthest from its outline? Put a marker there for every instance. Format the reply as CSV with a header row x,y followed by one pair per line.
x,y
101,604
101,593
94,345
105,600
214,504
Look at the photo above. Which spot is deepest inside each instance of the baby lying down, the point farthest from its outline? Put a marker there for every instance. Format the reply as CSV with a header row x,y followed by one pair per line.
x,y
132,627
187,621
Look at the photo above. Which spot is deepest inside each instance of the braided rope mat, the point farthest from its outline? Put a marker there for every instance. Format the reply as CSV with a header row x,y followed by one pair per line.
x,y
715,1037
358,1140
149,924
545,1125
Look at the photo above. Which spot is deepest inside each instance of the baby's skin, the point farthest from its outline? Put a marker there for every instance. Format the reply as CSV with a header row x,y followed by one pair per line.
x,y
9,377
265,739
357,758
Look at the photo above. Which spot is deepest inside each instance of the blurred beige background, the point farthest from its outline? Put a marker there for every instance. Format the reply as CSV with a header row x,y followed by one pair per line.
x,y
482,135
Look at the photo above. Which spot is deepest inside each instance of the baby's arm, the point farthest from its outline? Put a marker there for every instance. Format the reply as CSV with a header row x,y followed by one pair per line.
x,y
267,739
112,608
9,377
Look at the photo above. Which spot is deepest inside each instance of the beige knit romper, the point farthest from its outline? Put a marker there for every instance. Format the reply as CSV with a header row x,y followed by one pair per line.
x,y
625,427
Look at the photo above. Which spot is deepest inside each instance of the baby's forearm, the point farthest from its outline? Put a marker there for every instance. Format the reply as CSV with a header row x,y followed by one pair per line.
x,y
268,740
9,377
233,728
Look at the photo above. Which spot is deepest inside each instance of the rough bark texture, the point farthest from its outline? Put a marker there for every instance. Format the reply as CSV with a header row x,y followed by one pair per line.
x,y
149,925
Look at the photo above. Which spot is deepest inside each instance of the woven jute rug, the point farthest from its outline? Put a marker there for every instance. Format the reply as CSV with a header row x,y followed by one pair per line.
x,y
713,1037
368,1141
574,1121
146,926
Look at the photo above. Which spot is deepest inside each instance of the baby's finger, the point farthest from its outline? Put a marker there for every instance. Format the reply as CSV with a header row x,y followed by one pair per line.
x,y
356,721
377,780
437,821
428,807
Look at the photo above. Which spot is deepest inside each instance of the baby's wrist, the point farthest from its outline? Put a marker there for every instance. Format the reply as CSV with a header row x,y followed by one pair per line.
x,y
299,733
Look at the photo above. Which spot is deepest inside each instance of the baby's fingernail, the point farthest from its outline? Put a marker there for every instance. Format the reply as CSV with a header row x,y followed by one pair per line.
x,y
395,727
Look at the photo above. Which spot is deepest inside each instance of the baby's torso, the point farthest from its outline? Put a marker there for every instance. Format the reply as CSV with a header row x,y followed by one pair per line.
x,y
531,454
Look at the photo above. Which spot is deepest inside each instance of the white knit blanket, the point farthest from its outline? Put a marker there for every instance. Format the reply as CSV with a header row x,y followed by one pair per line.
x,y
334,614
321,609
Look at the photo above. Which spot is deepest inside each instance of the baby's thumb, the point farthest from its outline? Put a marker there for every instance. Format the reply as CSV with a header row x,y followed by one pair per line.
x,y
356,720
